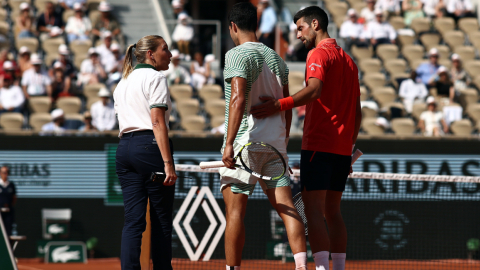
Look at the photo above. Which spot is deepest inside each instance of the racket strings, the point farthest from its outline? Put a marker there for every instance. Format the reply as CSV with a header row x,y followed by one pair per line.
x,y
263,160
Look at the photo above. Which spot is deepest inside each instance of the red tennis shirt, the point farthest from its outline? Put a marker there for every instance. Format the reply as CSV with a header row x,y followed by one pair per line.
x,y
330,120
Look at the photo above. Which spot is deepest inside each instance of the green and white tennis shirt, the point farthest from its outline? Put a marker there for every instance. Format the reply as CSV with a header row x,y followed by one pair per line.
x,y
266,74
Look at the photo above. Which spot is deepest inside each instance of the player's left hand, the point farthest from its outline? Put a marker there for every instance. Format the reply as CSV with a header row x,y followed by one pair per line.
x,y
351,170
269,106
228,158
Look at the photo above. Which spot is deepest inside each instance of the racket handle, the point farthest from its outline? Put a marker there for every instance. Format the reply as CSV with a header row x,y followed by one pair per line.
x,y
211,164
356,155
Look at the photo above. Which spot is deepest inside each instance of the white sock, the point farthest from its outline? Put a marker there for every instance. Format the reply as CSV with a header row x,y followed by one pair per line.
x,y
300,260
233,267
338,260
321,260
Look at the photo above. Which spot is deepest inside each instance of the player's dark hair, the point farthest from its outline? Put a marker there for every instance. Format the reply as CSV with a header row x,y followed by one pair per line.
x,y
310,13
244,15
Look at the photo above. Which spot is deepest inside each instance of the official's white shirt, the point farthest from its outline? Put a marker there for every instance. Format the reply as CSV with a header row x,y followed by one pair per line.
x,y
144,89
378,30
463,5
350,29
36,82
12,97
103,117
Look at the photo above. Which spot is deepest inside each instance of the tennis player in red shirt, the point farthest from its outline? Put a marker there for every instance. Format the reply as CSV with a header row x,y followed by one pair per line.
x,y
332,120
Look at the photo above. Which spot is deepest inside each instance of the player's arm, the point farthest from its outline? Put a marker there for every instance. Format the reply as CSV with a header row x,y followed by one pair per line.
x,y
288,113
358,120
236,110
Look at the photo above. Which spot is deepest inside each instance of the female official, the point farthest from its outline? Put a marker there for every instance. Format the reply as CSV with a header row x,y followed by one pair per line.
x,y
142,104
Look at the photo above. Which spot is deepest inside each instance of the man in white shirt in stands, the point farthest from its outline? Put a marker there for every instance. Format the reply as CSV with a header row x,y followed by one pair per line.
x,y
380,32
103,112
176,74
460,9
11,96
390,7
367,12
35,81
58,120
411,91
92,69
104,50
351,31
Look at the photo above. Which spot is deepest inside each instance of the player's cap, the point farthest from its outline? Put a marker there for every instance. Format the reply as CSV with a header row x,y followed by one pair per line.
x,y
441,70
57,113
104,6
115,47
378,12
8,65
176,4
455,57
432,52
175,54
35,59
7,76
92,51
23,49
104,93
351,12
24,6
107,34
58,65
63,49
431,100
77,6
182,17
209,58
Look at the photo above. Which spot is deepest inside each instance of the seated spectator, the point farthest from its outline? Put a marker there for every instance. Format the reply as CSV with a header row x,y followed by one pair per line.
x,y
11,96
200,71
460,9
88,126
178,8
78,26
70,4
24,62
268,20
63,58
295,45
24,22
389,7
383,123
106,22
435,8
35,81
104,51
61,83
380,32
58,122
460,77
49,19
412,9
367,14
431,121
427,70
116,68
103,112
351,30
412,91
444,85
176,74
183,34
91,70
9,69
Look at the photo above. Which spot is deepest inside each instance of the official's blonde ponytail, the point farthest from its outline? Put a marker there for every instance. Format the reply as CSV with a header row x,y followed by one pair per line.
x,y
141,47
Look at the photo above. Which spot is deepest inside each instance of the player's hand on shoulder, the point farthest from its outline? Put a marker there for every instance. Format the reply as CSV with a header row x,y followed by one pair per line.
x,y
228,155
269,106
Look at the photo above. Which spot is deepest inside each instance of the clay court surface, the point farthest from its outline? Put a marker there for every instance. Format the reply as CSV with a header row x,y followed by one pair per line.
x,y
114,264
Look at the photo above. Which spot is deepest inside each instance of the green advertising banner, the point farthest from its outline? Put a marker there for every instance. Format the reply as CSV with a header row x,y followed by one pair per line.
x,y
65,252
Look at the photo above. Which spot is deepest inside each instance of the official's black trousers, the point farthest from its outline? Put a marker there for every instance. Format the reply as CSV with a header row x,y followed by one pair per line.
x,y
137,157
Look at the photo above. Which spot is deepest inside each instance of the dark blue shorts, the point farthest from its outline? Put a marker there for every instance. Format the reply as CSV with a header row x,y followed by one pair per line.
x,y
324,171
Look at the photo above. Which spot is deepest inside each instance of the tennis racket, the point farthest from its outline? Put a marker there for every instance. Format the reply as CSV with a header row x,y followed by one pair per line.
x,y
298,202
257,158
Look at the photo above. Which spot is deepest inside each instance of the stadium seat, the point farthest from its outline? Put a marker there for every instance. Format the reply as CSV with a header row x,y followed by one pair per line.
x,y
67,14
296,77
387,51
30,43
374,80
417,109
193,123
79,59
413,52
181,91
398,22
3,14
215,107
420,25
50,46
466,53
91,100
461,127
362,52
397,105
406,39
371,128
37,120
69,104
40,5
384,95
370,65
395,78
403,126
443,25
40,104
473,110
363,93
415,63
74,116
468,96
93,15
358,5
80,47
337,9
472,68
430,40
454,38
93,4
11,121
49,58
4,28
14,4
468,25
91,90
368,112
211,91
395,66
474,38
217,121
187,107
446,62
